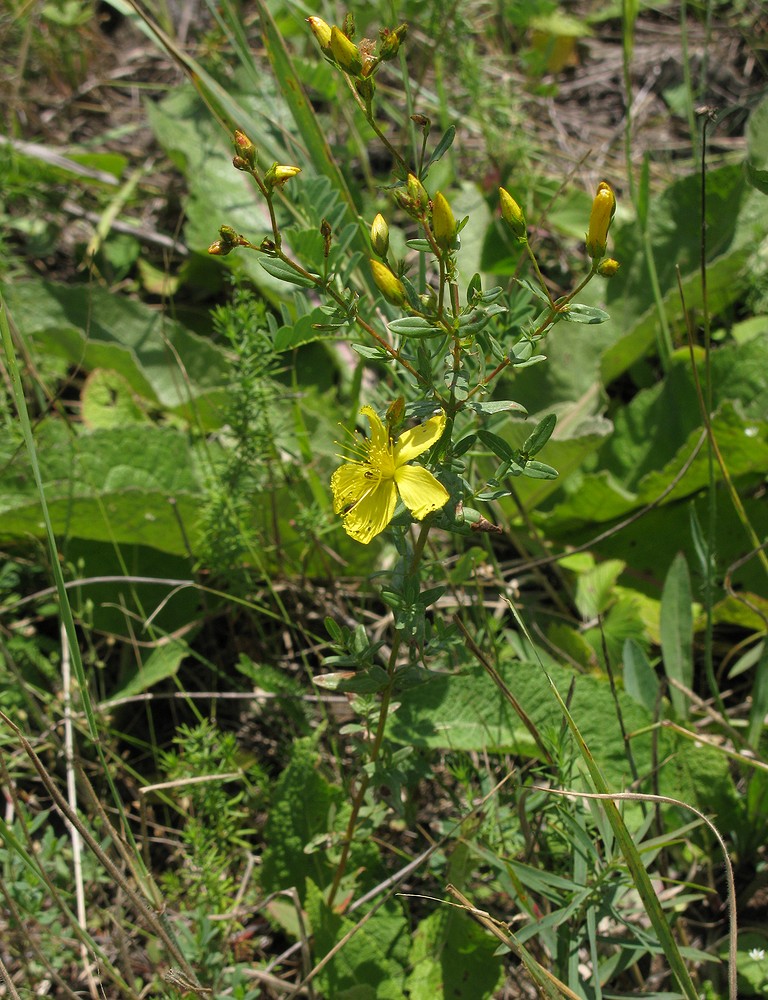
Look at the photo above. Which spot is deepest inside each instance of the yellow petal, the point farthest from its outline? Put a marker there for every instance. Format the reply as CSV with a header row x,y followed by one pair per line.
x,y
379,437
350,483
372,513
420,491
412,443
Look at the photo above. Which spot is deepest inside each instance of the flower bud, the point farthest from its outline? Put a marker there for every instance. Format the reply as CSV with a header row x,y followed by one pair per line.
x,y
278,174
512,214
380,235
345,53
390,287
391,41
603,209
244,150
417,193
443,222
608,267
322,33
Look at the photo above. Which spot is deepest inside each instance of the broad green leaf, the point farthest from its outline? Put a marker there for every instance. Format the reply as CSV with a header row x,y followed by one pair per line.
x,y
495,406
757,147
300,807
372,963
452,957
161,360
677,632
107,401
110,484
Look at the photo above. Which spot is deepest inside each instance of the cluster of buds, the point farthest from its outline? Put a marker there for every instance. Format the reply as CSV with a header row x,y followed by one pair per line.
x,y
227,241
413,198
359,61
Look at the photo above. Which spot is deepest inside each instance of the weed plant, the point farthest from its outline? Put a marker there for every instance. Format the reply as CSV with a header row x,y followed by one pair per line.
x,y
486,727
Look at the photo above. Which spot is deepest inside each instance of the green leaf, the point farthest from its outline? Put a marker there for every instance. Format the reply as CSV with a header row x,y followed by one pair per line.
x,y
372,963
757,148
538,470
577,312
496,406
107,401
451,956
284,272
446,141
305,330
541,434
112,484
299,812
161,360
416,327
163,662
640,680
677,632
759,708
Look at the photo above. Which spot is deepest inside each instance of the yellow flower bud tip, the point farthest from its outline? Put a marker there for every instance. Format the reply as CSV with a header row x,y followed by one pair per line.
x,y
388,284
380,235
608,267
345,53
417,193
443,222
512,214
603,210
278,174
322,33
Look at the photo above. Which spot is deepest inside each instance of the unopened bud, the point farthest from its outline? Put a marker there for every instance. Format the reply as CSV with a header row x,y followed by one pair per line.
x,y
278,174
326,232
380,235
443,222
417,193
391,41
512,214
395,414
390,287
345,53
608,267
244,150
603,209
322,33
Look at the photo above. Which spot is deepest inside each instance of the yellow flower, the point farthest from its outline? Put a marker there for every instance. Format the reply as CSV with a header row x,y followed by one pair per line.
x,y
365,490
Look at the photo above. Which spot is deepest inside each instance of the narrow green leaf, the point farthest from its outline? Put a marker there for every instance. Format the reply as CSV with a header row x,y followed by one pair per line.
x,y
441,148
677,632
640,680
415,326
541,434
577,312
496,406
538,470
759,709
279,269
